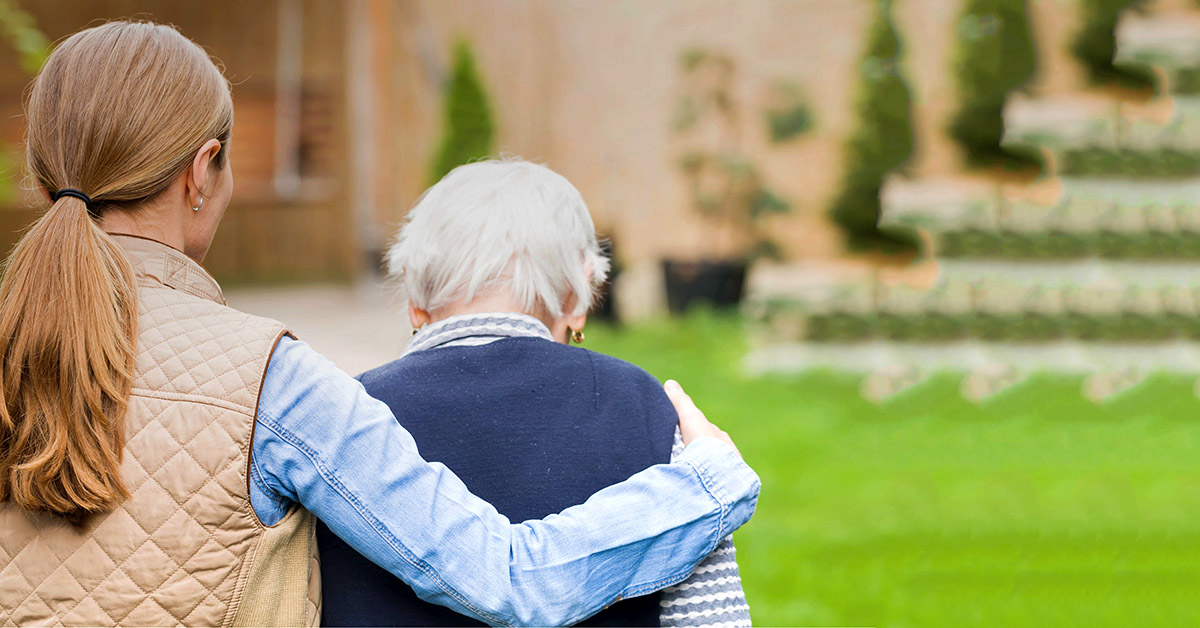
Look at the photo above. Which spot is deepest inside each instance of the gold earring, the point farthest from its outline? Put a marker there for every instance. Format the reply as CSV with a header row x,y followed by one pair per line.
x,y
576,336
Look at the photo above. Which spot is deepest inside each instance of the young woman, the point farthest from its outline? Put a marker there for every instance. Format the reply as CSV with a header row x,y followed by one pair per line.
x,y
499,262
161,453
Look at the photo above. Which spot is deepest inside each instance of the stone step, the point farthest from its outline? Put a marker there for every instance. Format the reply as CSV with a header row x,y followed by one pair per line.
x,y
1039,305
1095,133
1167,41
1085,289
935,204
988,369
1061,122
1148,215
985,373
992,358
1069,273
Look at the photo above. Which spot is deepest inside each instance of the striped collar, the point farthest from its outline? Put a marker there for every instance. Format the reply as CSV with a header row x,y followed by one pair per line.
x,y
477,329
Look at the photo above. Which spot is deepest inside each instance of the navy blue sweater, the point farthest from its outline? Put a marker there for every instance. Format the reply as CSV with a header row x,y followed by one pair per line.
x,y
531,426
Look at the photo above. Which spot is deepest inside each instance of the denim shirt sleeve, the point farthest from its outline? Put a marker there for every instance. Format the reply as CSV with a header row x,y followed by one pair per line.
x,y
322,442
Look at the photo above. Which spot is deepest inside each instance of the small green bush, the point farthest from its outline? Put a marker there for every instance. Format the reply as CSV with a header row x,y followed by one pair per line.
x,y
882,143
467,127
1058,245
995,56
1095,161
32,47
1024,327
1095,43
791,116
1187,82
22,33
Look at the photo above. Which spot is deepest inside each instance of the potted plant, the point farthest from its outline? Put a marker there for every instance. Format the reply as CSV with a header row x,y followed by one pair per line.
x,y
606,307
725,186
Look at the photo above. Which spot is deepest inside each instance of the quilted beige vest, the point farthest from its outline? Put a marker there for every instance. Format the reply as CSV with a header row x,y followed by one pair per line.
x,y
186,548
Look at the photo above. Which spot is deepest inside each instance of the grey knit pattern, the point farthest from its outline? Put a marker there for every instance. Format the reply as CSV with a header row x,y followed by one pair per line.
x,y
712,597
476,329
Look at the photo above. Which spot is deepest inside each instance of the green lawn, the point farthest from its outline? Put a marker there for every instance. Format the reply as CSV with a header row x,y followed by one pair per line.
x,y
1037,508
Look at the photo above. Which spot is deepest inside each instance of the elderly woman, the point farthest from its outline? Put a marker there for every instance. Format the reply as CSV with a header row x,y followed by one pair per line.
x,y
500,264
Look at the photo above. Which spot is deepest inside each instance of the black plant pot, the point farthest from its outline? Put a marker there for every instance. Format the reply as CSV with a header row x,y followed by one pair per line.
x,y
720,283
606,309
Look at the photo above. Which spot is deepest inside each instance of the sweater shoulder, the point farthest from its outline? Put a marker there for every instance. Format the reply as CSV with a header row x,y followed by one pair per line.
x,y
610,372
619,371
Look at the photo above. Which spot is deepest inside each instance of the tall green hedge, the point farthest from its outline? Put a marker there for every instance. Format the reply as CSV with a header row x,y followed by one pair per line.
x,y
882,142
995,55
1096,42
467,127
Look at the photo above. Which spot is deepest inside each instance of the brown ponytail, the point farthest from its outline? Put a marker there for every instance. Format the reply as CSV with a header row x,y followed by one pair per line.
x,y
118,111
67,317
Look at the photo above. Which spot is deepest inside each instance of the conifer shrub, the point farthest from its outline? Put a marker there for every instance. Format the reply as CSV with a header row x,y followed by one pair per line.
x,y
994,56
467,127
883,141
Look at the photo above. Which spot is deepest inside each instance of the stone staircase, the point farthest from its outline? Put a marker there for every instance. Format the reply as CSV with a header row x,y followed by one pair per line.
x,y
1093,269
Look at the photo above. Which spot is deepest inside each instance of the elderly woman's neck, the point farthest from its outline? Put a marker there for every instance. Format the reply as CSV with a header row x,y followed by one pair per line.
x,y
487,305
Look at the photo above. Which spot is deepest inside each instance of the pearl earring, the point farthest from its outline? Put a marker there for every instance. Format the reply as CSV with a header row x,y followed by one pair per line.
x,y
197,207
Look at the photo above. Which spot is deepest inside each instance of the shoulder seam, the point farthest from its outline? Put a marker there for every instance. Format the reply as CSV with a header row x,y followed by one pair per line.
x,y
190,398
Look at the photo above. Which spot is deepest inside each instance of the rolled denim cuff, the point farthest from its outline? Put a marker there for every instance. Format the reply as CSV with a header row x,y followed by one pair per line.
x,y
727,478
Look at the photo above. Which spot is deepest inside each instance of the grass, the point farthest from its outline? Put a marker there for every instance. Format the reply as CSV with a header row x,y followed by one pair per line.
x,y
1036,508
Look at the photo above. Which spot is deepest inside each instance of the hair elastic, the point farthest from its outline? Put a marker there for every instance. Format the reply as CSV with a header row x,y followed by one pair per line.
x,y
87,200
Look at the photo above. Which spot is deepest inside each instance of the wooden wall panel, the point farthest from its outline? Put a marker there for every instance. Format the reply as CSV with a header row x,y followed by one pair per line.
x,y
263,236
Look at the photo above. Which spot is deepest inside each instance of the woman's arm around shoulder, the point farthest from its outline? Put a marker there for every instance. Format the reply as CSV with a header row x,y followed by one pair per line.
x,y
322,442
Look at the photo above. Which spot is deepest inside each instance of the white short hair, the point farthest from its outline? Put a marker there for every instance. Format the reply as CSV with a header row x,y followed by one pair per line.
x,y
499,225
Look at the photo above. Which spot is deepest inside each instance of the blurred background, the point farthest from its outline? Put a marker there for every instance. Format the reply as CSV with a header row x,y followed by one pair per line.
x,y
933,263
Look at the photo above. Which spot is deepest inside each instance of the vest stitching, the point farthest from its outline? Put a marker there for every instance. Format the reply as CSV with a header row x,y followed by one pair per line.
x,y
256,541
249,450
190,398
150,539
33,588
243,576
149,534
89,595
106,577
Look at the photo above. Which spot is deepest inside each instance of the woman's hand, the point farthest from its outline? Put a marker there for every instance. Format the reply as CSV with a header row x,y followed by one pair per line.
x,y
692,422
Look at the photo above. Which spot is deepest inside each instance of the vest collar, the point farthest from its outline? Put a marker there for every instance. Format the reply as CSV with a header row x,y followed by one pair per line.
x,y
168,266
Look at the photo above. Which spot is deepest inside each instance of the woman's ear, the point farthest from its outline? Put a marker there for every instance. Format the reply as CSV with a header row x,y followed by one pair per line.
x,y
577,322
574,321
418,317
198,178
